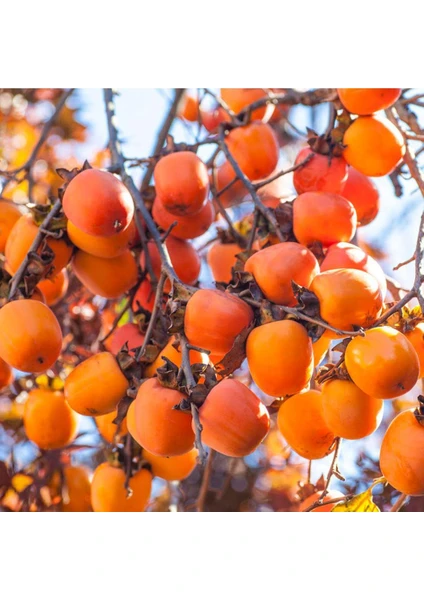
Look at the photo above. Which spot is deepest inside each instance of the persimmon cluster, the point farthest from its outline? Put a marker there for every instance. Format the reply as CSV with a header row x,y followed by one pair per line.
x,y
290,286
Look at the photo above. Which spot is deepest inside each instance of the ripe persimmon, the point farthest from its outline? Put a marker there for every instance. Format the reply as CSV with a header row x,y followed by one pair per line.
x,y
20,239
383,363
49,421
188,227
300,421
182,183
255,148
275,267
98,203
109,430
349,256
323,217
126,334
280,357
365,101
30,336
348,411
155,424
77,496
221,258
173,355
416,337
9,214
184,258
106,277
54,290
224,179
108,493
374,146
188,108
363,194
321,173
144,298
96,385
213,319
233,419
172,468
330,495
103,247
239,98
211,119
6,374
402,454
348,298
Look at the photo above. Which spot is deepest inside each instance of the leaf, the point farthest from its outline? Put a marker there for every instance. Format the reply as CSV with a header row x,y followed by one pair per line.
x,y
360,503
233,359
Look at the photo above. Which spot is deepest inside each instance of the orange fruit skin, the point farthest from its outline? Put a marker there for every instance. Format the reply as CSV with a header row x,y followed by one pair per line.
x,y
280,357
128,333
323,217
221,258
349,256
6,374
54,290
155,424
173,355
188,227
383,363
320,348
416,337
233,418
223,176
78,488
348,411
182,183
365,101
238,98
48,419
30,336
363,194
108,430
98,203
96,385
212,118
402,454
144,297
275,267
255,148
374,146
189,108
173,468
108,493
301,423
315,496
100,275
9,214
184,258
320,173
19,241
214,319
348,297
103,247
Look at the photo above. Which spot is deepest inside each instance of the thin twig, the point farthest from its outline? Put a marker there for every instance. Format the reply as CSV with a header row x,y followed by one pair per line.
x,y
200,504
399,503
156,309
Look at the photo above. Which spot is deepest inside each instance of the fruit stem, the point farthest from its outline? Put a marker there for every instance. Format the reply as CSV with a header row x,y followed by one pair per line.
x,y
399,503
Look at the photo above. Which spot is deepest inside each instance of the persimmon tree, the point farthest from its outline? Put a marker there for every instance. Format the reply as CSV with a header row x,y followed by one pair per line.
x,y
208,394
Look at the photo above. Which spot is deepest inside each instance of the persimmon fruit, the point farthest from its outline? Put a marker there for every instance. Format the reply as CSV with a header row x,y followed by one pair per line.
x,y
54,290
365,101
188,227
9,214
108,493
221,259
6,374
106,277
321,173
172,468
49,421
255,148
78,489
98,203
126,334
109,430
416,337
363,194
103,247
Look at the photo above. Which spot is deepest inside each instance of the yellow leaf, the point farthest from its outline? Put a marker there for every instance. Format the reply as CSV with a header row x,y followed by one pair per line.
x,y
360,503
